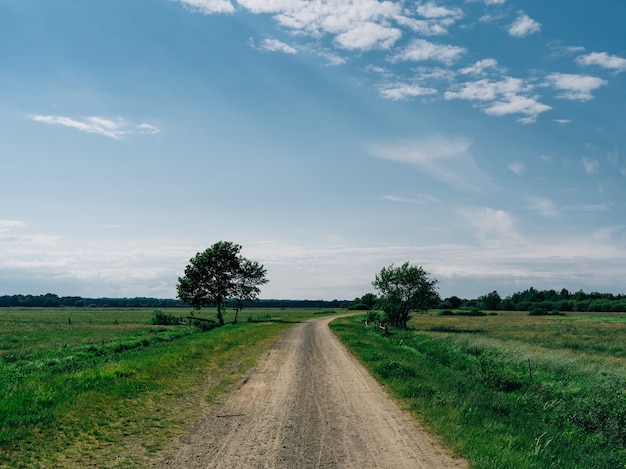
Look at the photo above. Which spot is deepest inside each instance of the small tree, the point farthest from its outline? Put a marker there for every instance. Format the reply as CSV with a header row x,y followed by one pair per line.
x,y
218,274
404,289
250,277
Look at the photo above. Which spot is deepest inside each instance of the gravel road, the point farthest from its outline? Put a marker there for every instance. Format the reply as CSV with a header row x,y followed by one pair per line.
x,y
308,404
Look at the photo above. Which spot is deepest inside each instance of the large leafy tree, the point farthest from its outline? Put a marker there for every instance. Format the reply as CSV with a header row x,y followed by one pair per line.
x,y
219,274
405,289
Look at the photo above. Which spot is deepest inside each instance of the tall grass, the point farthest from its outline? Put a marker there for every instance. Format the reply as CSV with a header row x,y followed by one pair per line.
x,y
502,395
106,388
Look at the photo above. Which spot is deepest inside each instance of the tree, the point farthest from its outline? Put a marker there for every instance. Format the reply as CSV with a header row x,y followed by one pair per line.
x,y
490,301
405,289
218,274
250,277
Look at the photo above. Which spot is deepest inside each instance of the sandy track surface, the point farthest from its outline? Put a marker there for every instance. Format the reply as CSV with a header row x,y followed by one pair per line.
x,y
308,404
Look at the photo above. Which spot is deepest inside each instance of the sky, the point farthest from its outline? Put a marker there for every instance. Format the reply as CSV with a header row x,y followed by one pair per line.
x,y
483,140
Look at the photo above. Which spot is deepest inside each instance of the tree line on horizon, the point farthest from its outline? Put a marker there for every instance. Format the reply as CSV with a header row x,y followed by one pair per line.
x,y
531,299
546,300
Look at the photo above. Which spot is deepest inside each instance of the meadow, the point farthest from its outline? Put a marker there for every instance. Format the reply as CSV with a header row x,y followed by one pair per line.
x,y
508,390
103,387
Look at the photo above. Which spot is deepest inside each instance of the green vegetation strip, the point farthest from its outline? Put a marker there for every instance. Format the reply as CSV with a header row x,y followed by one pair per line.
x,y
114,402
501,403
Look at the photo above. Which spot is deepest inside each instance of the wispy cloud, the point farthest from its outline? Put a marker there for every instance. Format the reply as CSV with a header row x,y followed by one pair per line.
x,y
576,87
493,227
274,45
209,7
603,60
524,26
404,91
420,199
545,207
445,159
6,225
590,165
517,167
112,128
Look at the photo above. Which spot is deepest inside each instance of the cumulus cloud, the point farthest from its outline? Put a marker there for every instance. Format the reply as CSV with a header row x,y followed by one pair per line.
x,y
528,106
524,26
480,67
575,87
421,49
447,160
116,129
501,98
368,36
603,60
432,10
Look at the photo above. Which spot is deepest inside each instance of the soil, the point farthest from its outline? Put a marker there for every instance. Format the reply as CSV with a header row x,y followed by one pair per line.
x,y
308,404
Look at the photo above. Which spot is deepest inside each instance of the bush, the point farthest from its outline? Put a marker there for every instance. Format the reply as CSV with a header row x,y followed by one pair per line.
x,y
159,318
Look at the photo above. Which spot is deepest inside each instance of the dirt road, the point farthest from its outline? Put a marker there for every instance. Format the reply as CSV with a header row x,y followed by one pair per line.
x,y
308,404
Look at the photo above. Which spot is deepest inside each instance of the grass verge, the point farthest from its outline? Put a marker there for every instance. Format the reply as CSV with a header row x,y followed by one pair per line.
x,y
501,403
71,400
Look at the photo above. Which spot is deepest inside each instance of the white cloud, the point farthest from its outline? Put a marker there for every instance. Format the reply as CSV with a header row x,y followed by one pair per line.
x,y
494,2
6,225
148,129
576,87
524,26
402,91
486,90
115,129
562,121
368,36
209,7
274,45
526,105
432,10
479,67
362,25
591,166
492,227
444,159
604,60
517,167
505,97
420,49
544,206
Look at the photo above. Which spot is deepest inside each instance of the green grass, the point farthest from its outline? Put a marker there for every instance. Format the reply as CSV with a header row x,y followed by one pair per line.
x,y
107,389
509,391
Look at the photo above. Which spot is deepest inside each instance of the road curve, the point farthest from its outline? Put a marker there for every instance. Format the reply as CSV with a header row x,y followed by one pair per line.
x,y
308,404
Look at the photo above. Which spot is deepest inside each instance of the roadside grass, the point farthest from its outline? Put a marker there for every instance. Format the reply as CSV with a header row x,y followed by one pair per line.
x,y
510,390
107,389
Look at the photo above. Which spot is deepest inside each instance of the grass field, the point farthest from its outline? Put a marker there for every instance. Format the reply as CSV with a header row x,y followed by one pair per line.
x,y
104,388
509,390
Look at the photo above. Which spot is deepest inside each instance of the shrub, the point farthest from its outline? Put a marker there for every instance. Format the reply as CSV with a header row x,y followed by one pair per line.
x,y
159,318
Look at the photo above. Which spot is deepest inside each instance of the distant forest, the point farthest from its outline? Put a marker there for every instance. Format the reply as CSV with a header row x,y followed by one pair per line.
x,y
545,301
50,300
527,300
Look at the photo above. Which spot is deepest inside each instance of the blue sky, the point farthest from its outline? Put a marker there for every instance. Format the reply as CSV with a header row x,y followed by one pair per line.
x,y
482,139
